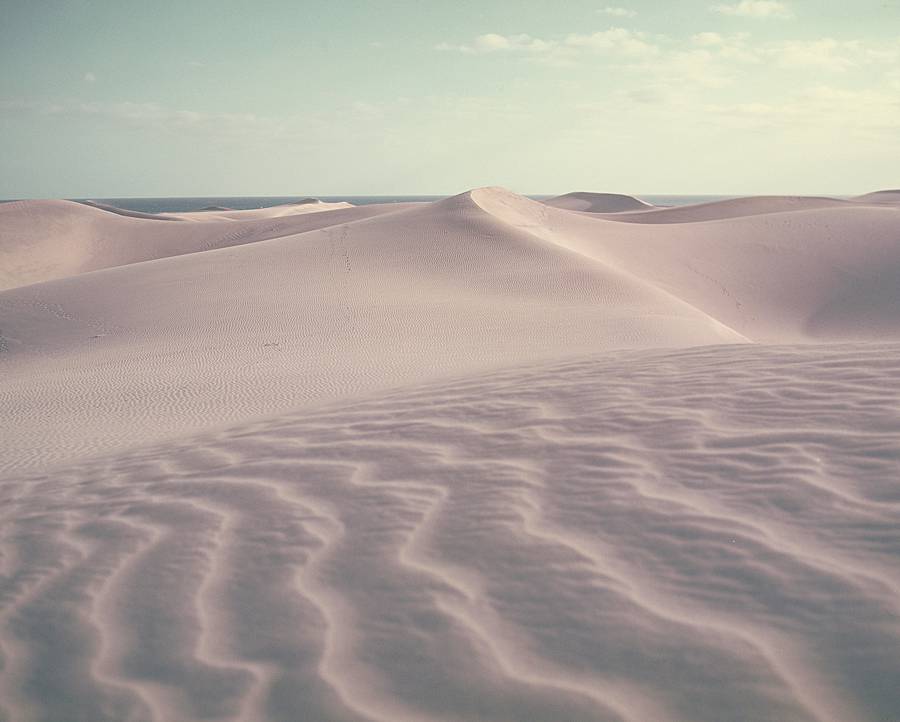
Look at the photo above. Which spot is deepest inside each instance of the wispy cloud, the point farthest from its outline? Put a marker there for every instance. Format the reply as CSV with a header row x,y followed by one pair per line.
x,y
493,42
824,54
617,12
706,59
89,77
619,42
755,9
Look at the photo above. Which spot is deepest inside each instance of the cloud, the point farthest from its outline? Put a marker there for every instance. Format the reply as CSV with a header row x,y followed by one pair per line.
x,y
708,39
822,54
614,41
735,47
705,60
618,41
493,42
90,78
617,12
755,9
692,67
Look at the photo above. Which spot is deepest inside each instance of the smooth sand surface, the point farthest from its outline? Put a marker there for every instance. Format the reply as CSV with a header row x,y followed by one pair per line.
x,y
485,458
886,196
598,202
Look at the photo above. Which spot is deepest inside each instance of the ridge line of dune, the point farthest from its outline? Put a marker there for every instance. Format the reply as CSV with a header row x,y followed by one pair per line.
x,y
604,262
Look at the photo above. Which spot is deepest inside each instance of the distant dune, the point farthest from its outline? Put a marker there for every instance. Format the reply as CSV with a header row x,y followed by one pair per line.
x,y
483,458
886,196
597,202
45,240
731,208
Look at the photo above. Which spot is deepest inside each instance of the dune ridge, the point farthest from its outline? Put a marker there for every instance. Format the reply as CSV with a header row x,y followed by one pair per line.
x,y
486,458
885,196
45,240
598,202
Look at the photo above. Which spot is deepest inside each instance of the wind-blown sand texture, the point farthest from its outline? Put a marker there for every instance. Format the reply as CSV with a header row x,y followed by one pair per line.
x,y
485,458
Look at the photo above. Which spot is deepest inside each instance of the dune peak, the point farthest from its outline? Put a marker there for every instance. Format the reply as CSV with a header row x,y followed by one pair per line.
x,y
589,202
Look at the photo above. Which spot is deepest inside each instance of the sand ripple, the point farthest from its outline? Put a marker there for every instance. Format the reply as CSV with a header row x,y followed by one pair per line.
x,y
638,536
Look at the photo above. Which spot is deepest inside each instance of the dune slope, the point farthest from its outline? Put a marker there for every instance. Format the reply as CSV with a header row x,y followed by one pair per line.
x,y
44,240
227,334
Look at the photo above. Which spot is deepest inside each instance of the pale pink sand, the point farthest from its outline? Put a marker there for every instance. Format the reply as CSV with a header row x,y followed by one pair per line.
x,y
479,459
598,202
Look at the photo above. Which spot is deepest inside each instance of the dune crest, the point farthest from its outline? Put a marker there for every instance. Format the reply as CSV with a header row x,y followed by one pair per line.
x,y
45,240
598,202
885,196
730,208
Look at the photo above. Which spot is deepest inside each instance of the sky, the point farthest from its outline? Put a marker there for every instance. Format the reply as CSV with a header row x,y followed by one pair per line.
x,y
115,98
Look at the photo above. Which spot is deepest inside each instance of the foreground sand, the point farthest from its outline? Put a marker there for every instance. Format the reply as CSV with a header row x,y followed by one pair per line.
x,y
480,459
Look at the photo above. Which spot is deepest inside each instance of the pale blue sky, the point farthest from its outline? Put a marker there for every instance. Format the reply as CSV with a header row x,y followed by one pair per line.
x,y
119,98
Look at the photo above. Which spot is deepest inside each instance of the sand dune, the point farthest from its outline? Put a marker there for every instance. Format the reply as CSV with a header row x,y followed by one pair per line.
x,y
730,208
404,295
886,196
485,458
44,240
598,202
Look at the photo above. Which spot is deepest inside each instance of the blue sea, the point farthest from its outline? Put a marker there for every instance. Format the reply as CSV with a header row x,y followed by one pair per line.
x,y
180,205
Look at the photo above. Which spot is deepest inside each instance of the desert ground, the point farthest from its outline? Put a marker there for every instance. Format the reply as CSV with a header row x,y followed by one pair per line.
x,y
484,458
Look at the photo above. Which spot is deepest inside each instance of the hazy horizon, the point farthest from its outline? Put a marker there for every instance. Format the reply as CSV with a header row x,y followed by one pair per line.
x,y
417,196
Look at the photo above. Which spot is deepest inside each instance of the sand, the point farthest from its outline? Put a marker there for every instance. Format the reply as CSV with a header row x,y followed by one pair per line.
x,y
485,458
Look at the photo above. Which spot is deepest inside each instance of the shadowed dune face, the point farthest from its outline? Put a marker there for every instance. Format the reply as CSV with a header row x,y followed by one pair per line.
x,y
485,458
700,535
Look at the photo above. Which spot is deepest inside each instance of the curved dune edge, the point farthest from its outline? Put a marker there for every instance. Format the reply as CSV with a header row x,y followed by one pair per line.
x,y
730,208
885,196
46,240
549,541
